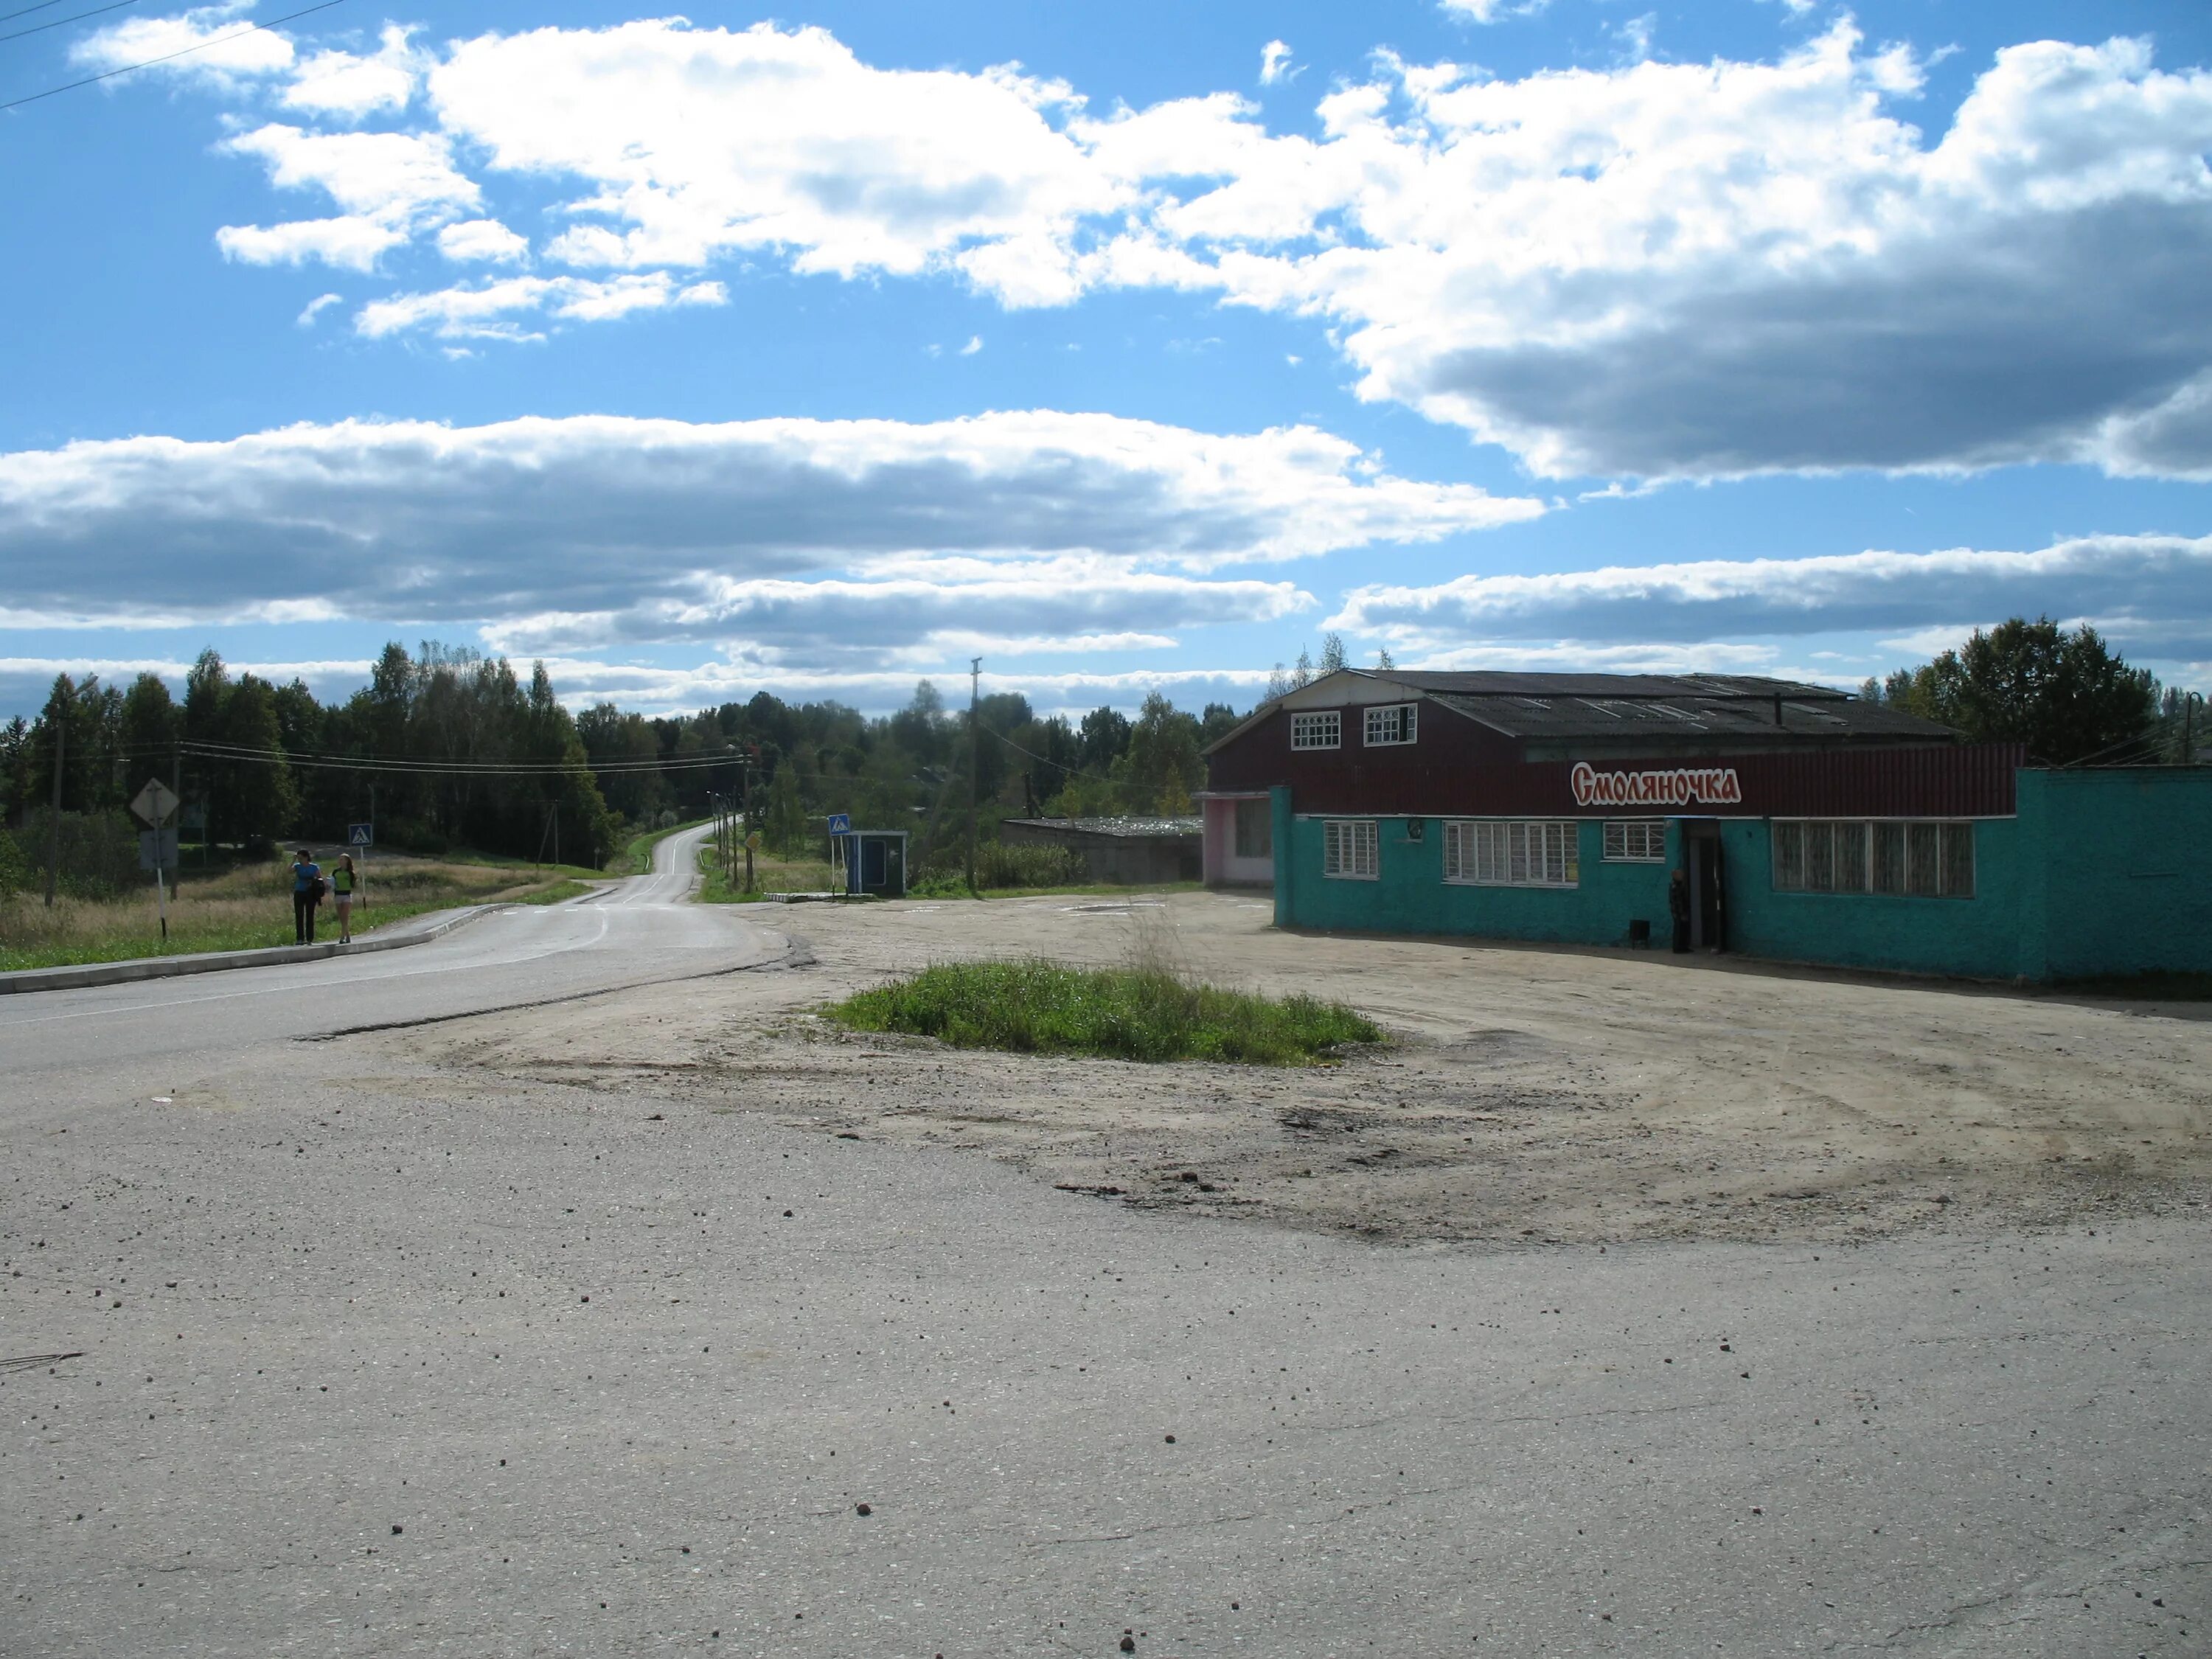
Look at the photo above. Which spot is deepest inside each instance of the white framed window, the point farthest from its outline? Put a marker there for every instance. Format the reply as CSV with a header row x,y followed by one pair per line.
x,y
1918,858
1348,849
1636,841
1390,723
1321,730
1486,853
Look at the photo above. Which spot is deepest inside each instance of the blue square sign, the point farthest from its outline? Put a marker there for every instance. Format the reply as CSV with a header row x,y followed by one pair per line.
x,y
841,824
361,835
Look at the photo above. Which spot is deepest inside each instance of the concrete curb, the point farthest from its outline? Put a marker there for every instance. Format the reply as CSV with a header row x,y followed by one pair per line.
x,y
89,973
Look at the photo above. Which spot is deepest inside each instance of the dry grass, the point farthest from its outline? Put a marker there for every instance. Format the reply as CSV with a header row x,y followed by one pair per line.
x,y
247,908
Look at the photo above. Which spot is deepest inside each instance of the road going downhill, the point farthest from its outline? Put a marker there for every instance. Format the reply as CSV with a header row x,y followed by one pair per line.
x,y
640,930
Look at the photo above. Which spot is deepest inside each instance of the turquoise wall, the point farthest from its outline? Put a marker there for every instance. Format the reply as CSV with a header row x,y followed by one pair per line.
x,y
2102,873
2124,875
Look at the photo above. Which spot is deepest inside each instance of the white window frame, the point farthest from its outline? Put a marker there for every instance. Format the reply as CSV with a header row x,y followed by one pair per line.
x,y
1635,841
1382,717
1320,728
1868,835
1351,850
1543,853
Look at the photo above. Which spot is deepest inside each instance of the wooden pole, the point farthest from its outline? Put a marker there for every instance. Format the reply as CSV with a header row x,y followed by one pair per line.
x,y
974,752
54,824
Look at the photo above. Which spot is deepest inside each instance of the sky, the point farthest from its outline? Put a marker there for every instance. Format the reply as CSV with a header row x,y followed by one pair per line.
x,y
1129,347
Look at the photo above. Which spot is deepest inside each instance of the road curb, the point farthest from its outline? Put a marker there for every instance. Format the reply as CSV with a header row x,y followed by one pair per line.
x,y
91,974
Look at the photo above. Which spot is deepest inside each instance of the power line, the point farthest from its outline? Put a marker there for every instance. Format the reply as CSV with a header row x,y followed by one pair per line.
x,y
78,17
186,52
10,16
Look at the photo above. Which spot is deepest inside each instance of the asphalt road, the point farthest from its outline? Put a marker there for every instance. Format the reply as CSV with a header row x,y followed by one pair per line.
x,y
375,1358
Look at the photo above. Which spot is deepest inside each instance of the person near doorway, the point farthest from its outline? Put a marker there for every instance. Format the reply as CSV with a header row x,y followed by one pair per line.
x,y
1678,906
307,893
342,886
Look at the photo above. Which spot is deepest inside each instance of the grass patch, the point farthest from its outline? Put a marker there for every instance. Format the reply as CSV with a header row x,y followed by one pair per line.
x,y
1042,1007
249,906
770,875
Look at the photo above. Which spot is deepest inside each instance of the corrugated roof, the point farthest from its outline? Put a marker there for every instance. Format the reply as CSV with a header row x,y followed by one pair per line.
x,y
1738,705
1131,829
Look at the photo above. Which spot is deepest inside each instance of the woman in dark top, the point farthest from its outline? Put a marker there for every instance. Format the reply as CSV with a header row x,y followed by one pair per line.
x,y
307,893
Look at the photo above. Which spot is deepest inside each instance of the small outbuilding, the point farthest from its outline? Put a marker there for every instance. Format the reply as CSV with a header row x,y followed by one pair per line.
x,y
874,861
1118,852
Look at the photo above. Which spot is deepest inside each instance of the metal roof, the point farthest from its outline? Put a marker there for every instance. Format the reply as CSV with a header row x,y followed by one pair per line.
x,y
1663,706
1125,828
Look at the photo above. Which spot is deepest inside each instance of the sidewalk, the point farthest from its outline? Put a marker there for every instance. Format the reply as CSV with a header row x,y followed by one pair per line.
x,y
415,930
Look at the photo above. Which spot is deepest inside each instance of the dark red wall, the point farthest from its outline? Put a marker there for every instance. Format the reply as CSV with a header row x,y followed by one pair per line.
x,y
1460,768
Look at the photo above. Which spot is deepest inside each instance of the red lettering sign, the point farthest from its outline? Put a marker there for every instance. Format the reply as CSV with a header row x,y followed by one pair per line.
x,y
1715,785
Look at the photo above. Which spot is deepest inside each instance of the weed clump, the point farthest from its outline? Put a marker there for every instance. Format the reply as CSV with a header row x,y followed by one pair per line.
x,y
1140,1013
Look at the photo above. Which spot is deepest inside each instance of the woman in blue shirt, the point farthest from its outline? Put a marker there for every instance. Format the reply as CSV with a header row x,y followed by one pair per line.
x,y
307,893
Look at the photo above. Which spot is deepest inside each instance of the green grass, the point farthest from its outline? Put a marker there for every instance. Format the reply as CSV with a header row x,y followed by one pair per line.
x,y
1042,1007
771,875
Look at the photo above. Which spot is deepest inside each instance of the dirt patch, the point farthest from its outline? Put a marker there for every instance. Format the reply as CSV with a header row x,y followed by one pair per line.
x,y
1528,1095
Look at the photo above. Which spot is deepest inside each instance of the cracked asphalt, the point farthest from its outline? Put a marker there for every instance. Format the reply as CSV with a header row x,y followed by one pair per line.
x,y
369,1355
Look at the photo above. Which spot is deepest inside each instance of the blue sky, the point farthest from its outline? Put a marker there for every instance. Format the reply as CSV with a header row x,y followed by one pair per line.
x,y
822,349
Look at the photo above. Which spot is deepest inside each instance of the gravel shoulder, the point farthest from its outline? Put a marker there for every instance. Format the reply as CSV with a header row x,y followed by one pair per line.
x,y
1528,1095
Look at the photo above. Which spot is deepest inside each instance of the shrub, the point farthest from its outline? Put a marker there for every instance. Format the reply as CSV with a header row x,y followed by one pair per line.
x,y
1035,1006
999,864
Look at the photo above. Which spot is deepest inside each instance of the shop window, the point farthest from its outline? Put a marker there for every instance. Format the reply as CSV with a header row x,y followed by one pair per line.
x,y
1349,849
1491,854
1324,730
1636,841
1255,829
1393,724
1923,859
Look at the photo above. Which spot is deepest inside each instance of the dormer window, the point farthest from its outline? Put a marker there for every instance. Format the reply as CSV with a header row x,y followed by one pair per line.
x,y
1391,723
1323,730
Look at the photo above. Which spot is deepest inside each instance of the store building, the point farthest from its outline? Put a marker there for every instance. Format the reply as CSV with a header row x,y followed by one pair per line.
x,y
1807,825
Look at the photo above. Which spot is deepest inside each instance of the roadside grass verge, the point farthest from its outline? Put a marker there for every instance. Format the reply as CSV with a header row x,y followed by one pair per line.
x,y
1146,1013
250,908
637,859
770,875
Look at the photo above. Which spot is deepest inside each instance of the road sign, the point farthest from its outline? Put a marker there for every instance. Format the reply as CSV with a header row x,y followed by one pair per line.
x,y
361,835
154,803
841,824
752,841
157,848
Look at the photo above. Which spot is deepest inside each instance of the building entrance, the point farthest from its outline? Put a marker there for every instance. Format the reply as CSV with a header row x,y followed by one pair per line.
x,y
1701,844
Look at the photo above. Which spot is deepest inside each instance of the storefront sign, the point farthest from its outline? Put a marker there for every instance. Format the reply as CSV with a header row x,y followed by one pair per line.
x,y
1715,785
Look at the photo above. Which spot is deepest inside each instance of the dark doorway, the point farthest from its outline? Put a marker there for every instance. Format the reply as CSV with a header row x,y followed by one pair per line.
x,y
1707,886
872,860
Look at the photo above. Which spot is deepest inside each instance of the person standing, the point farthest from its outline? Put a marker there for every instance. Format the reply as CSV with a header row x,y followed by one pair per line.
x,y
342,886
1678,906
306,891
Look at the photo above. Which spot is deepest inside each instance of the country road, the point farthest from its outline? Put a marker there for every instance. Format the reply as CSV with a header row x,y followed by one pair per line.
x,y
405,1343
640,930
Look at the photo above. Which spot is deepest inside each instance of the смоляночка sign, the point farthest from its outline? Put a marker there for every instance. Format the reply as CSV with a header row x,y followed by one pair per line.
x,y
1714,786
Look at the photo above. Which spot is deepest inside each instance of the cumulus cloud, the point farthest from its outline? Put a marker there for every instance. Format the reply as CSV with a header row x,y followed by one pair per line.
x,y
2152,593
346,86
1646,270
1275,63
485,239
226,48
819,541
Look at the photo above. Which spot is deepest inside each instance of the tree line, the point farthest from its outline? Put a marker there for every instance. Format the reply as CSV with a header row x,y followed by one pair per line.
x,y
448,748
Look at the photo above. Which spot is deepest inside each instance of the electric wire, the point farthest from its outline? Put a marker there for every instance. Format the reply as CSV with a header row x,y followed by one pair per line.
x,y
10,16
77,17
185,52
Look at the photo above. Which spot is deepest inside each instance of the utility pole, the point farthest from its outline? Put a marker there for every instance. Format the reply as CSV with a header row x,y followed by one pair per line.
x,y
974,752
54,824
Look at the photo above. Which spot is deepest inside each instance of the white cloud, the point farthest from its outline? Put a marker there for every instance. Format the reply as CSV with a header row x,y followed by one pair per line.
x,y
1649,270
241,53
344,86
487,310
816,542
481,238
2152,593
316,307
975,344
389,183
1275,63
1489,11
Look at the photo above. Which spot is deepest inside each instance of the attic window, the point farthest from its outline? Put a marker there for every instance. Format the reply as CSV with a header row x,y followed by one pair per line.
x,y
1393,723
1323,730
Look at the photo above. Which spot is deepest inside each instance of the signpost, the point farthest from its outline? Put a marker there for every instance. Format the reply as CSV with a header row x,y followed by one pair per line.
x,y
841,825
360,837
157,848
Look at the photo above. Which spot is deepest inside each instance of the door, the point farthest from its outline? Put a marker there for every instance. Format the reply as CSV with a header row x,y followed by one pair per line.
x,y
871,865
1708,893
